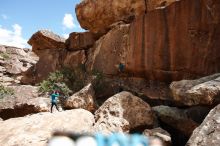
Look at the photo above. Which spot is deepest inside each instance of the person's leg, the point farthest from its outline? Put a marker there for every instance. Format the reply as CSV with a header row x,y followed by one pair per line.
x,y
51,108
56,106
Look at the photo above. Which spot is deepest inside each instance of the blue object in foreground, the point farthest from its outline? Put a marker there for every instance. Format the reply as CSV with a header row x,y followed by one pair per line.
x,y
115,139
121,140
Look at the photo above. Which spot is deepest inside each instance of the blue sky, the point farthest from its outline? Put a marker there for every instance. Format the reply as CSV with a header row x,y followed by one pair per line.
x,y
19,19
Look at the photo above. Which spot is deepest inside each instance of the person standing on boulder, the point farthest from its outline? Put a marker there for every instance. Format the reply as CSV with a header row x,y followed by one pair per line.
x,y
54,97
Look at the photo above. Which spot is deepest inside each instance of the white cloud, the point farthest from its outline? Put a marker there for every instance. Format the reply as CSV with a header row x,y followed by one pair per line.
x,y
68,21
65,35
4,16
12,37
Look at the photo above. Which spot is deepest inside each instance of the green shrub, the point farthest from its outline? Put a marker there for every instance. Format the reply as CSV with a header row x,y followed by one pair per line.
x,y
98,83
5,56
69,81
65,80
5,91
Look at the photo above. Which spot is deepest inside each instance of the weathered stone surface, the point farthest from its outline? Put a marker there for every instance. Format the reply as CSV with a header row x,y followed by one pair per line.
x,y
208,132
45,39
24,101
49,61
160,133
150,48
168,44
80,40
158,4
109,50
204,91
123,112
98,15
14,66
52,54
153,92
74,59
176,118
13,62
36,129
84,99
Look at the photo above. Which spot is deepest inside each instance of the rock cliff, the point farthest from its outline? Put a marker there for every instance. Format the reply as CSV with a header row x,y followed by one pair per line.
x,y
176,42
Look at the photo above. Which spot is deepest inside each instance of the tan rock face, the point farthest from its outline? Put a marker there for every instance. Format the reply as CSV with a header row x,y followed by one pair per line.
x,y
84,99
180,41
52,56
176,118
49,61
79,41
45,39
24,101
73,59
109,51
208,132
37,129
123,112
205,91
98,15
168,44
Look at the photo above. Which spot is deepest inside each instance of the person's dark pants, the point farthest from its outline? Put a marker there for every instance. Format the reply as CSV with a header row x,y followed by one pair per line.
x,y
52,104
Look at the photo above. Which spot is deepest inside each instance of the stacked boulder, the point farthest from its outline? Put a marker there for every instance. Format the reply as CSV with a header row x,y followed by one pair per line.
x,y
13,62
53,55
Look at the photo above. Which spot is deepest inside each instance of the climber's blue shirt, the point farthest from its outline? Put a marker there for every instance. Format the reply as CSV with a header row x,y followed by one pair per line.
x,y
54,97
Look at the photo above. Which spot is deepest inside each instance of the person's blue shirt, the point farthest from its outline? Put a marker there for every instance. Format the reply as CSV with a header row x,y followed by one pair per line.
x,y
54,97
121,67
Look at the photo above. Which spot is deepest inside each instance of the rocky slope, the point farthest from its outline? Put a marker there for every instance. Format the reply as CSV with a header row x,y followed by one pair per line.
x,y
36,129
14,62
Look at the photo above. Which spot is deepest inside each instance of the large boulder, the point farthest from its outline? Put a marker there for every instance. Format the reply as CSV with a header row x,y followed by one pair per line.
x,y
24,101
53,56
176,118
51,49
36,129
205,91
208,132
122,113
14,66
150,48
45,39
84,99
13,62
98,15
80,40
